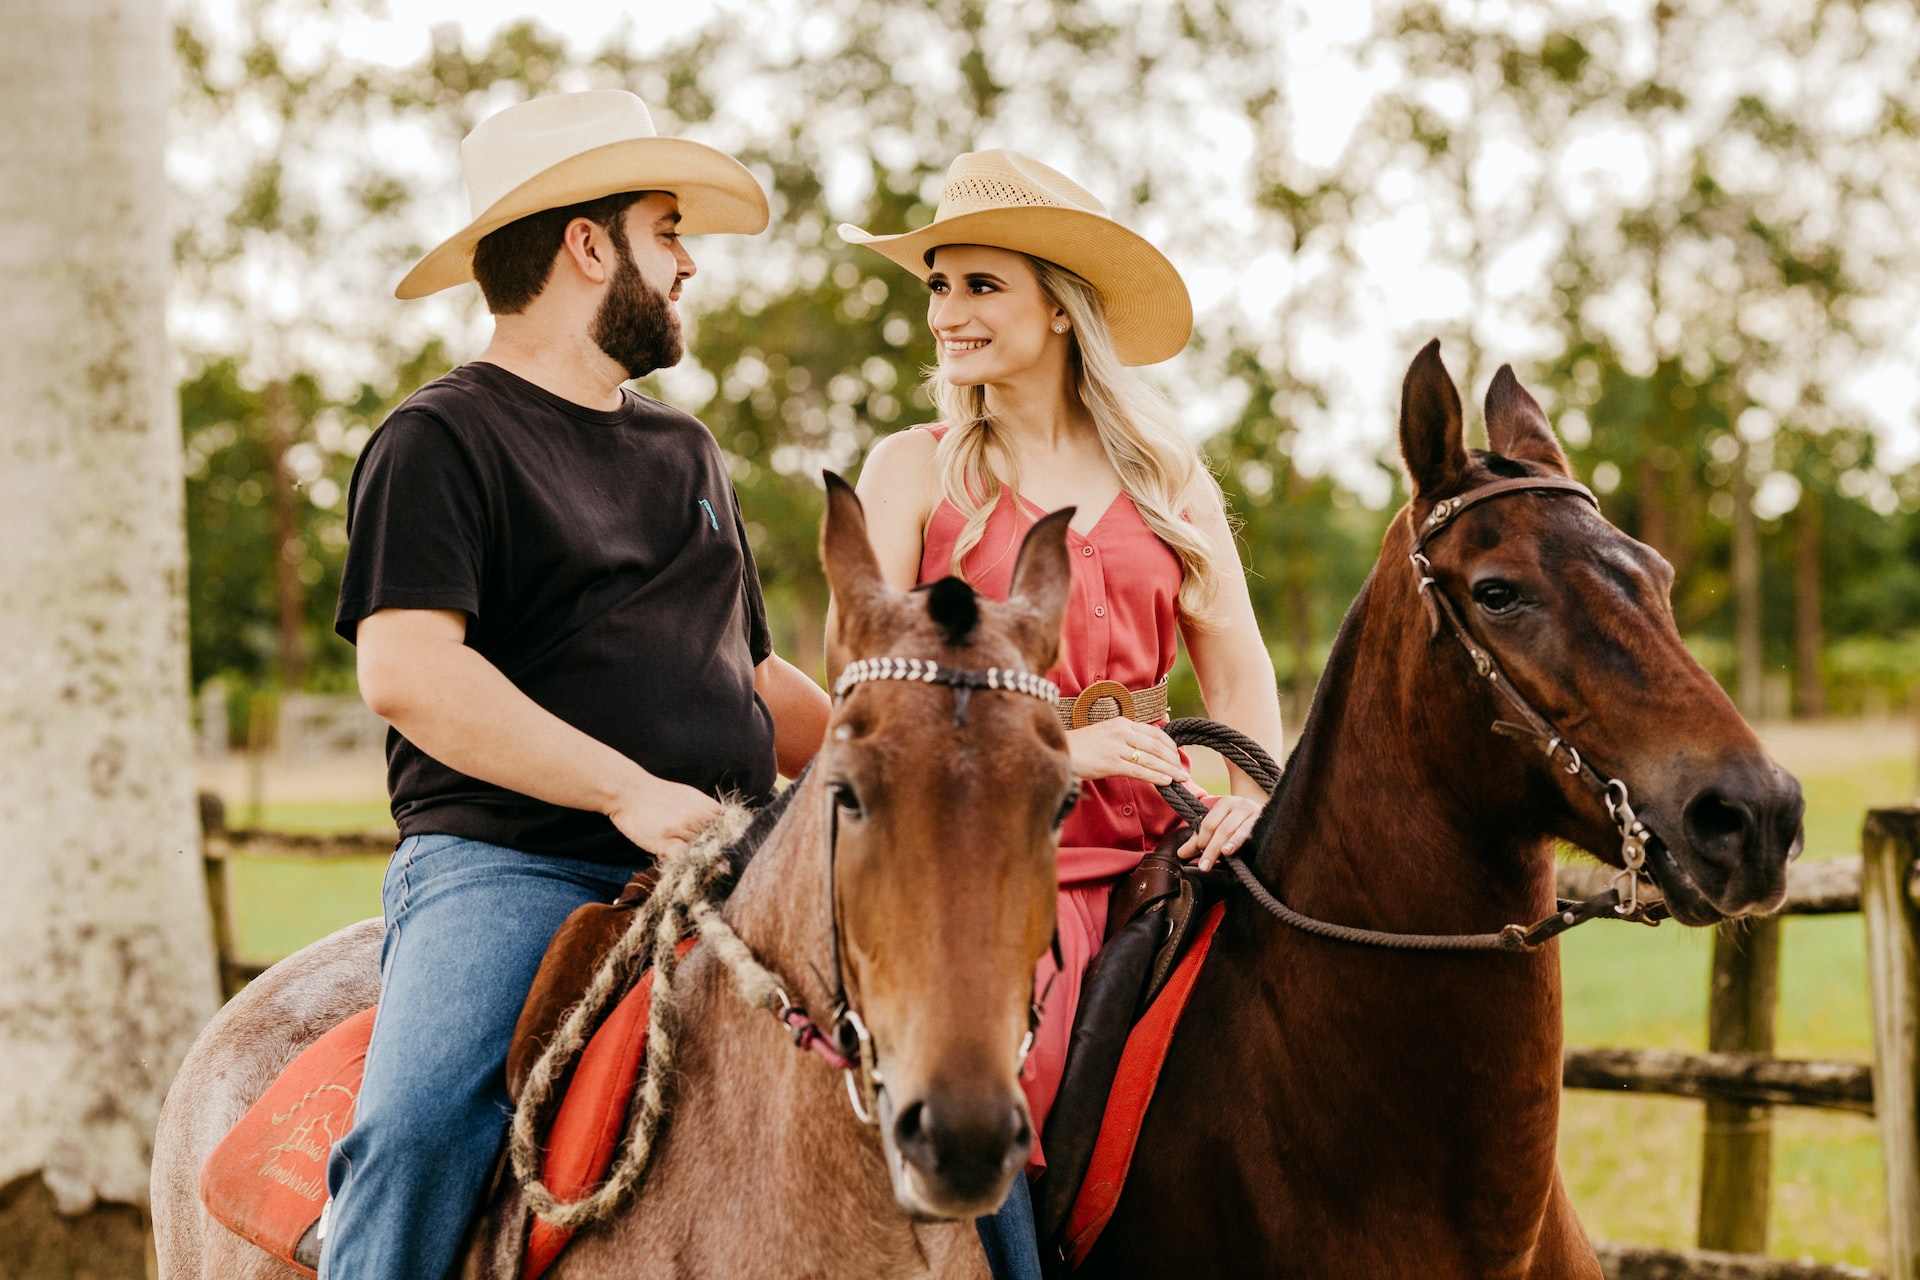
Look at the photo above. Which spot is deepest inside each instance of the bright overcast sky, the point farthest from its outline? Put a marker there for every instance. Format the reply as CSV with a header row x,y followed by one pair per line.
x,y
1317,72
402,37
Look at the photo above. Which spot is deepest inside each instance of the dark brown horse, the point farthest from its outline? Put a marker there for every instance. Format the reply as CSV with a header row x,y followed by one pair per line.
x,y
1333,1110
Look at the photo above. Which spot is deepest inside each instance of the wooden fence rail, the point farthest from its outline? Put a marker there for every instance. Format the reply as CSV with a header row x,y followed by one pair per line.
x,y
1749,1079
1827,888
1632,1262
219,845
1738,1077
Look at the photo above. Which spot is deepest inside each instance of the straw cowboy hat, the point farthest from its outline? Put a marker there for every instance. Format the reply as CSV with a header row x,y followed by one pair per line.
x,y
560,150
1005,200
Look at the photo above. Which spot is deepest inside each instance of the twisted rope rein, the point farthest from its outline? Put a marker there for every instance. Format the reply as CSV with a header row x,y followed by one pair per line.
x,y
682,901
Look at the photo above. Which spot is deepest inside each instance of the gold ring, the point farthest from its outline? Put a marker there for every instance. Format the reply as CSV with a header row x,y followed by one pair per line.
x,y
1135,757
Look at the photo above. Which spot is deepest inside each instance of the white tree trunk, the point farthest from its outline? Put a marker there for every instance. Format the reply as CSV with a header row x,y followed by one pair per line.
x,y
106,964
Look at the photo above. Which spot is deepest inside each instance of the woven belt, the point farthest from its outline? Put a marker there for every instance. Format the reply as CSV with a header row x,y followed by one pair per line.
x,y
1108,699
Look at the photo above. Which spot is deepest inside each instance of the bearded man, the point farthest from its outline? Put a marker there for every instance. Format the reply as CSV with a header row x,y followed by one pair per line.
x,y
554,604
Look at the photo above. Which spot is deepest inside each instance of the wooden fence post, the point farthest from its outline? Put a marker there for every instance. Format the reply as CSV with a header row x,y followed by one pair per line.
x,y
1736,1167
1890,844
213,835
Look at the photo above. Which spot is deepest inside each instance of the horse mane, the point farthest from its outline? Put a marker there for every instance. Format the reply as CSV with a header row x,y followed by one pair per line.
x,y
741,851
1329,701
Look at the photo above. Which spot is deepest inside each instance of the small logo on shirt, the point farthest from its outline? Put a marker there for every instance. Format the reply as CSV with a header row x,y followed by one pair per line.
x,y
711,520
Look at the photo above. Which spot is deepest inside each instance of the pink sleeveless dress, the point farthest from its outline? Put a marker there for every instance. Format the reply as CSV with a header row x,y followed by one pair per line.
x,y
1120,624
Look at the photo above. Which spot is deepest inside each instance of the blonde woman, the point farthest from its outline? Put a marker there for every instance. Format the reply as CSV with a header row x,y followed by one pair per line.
x,y
1038,302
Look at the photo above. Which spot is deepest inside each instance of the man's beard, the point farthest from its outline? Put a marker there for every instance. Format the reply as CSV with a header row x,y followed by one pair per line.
x,y
636,326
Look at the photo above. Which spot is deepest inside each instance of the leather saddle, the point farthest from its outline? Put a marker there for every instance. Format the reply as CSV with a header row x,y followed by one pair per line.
x,y
1150,919
572,958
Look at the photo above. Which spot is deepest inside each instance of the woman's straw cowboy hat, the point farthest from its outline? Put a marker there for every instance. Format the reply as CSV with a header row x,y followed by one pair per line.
x,y
551,152
1005,200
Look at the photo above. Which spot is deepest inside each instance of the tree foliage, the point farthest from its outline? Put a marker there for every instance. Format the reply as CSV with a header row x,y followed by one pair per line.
x,y
1684,226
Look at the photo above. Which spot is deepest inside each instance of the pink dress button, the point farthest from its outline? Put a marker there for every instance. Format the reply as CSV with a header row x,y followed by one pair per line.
x,y
1086,551
1099,611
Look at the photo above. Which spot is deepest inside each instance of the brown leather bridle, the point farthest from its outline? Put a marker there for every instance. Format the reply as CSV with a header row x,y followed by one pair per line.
x,y
1621,900
858,1057
1611,792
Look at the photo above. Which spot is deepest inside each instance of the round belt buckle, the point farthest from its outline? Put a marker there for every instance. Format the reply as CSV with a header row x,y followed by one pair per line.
x,y
1082,711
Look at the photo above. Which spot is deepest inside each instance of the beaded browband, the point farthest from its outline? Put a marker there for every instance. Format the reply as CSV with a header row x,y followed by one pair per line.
x,y
962,682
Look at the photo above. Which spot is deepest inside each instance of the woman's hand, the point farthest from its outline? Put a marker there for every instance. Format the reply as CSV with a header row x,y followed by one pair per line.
x,y
1122,748
1226,828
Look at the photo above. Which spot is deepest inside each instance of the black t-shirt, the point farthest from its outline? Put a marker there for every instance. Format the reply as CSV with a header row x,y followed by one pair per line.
x,y
601,562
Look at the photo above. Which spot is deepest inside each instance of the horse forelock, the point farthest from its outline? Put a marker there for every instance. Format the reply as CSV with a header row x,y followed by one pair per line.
x,y
954,608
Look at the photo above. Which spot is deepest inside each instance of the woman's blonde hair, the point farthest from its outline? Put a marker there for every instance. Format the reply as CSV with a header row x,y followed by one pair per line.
x,y
1159,469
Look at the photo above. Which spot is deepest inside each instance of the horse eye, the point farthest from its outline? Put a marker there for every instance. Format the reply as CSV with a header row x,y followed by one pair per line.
x,y
844,798
1071,799
1496,596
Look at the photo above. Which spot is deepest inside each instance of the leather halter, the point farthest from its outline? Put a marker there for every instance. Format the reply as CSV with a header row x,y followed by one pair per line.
x,y
849,1031
1612,792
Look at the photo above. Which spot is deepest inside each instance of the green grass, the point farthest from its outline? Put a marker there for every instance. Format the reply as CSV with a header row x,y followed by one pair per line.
x,y
1632,1166
1631,1163
1630,985
1837,803
324,816
281,904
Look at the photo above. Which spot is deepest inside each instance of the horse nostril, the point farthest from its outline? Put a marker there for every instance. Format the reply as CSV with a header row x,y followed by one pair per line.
x,y
962,1142
1718,826
910,1134
1022,1131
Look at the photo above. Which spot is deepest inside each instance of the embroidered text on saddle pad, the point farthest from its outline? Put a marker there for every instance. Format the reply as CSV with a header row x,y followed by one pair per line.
x,y
267,1180
1140,1064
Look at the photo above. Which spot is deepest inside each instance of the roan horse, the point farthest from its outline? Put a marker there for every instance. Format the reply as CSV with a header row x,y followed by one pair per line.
x,y
917,859
1329,1109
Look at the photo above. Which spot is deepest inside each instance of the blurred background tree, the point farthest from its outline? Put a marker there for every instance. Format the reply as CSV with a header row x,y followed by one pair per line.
x,y
107,969
1696,259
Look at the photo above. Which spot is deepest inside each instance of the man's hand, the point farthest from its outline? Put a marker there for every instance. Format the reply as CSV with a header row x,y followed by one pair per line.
x,y
662,817
417,672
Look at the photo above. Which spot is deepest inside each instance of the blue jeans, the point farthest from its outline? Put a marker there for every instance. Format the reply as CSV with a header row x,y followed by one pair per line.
x,y
467,925
1010,1237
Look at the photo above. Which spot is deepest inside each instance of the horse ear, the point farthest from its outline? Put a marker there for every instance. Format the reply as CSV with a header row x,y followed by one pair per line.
x,y
1432,436
1517,426
1042,576
853,574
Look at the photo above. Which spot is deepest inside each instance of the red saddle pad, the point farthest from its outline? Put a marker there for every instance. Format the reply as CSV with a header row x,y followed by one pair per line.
x,y
1133,1084
592,1117
267,1180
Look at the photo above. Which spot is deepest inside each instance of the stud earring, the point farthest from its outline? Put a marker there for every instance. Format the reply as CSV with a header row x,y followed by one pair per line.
x,y
1059,326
